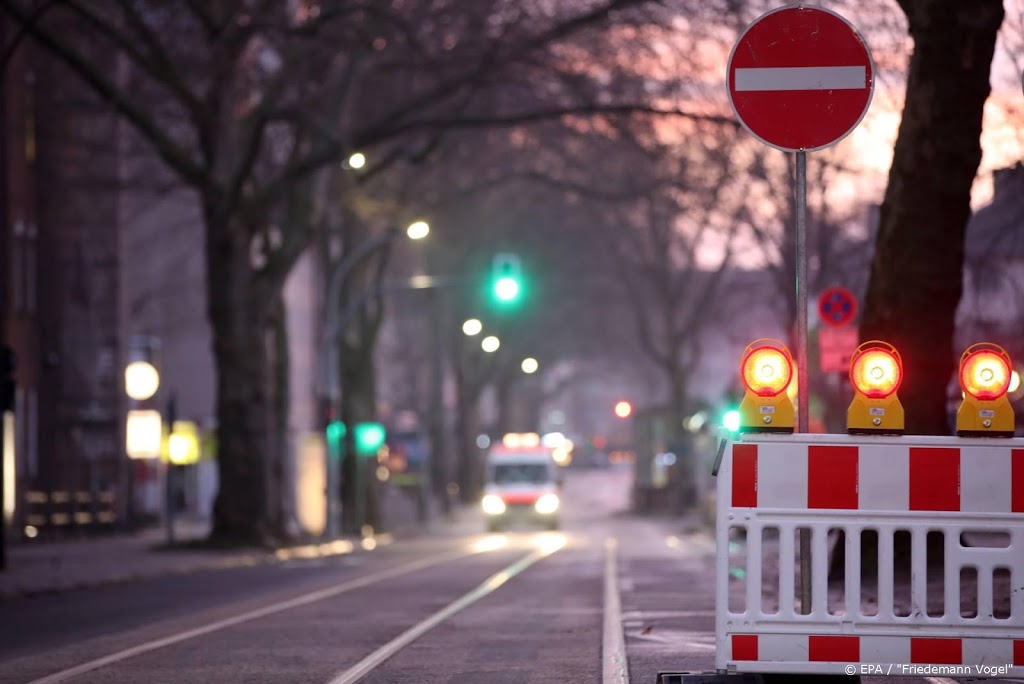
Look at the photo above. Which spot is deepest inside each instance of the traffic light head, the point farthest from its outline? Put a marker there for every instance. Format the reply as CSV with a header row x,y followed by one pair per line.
x,y
766,369
506,278
876,372
985,379
368,437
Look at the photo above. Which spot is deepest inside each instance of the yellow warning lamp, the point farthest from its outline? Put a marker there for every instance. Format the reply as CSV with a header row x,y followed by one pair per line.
x,y
985,378
876,372
766,370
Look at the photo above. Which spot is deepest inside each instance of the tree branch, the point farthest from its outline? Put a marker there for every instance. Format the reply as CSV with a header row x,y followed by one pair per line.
x,y
175,156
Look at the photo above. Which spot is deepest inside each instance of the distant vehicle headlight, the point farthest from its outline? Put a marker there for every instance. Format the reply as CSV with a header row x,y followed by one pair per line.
x,y
546,504
493,505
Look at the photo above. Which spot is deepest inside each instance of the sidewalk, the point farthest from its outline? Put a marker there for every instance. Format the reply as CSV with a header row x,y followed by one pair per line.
x,y
90,562
60,566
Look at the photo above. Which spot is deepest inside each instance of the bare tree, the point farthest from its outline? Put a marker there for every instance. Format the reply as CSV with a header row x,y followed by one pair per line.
x,y
243,101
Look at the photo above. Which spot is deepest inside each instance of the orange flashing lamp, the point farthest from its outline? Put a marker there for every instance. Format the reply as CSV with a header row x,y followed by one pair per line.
x,y
876,372
985,379
766,369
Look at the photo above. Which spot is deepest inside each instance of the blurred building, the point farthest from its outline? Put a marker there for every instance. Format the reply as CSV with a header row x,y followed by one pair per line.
x,y
60,294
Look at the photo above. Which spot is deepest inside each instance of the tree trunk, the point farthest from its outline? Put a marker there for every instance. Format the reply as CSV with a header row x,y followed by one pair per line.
x,y
681,478
469,469
278,362
439,468
237,310
917,273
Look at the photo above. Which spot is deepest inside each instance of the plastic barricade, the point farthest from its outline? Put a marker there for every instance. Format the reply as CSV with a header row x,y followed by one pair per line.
x,y
963,497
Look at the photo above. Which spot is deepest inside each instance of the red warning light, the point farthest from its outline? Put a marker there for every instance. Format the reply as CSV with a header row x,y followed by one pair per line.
x,y
766,370
876,370
985,372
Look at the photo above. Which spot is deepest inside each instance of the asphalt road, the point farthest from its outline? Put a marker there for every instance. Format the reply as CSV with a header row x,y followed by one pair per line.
x,y
456,606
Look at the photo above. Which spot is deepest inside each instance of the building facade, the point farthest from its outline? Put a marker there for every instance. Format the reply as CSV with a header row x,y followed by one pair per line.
x,y
60,297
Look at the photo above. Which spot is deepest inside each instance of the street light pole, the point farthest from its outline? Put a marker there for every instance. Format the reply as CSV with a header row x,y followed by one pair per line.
x,y
330,338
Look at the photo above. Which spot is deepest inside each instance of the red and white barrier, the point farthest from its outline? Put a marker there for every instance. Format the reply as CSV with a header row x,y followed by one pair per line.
x,y
917,485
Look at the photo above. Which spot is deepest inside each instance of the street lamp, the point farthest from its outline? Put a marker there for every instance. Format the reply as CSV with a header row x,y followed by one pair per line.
x,y
357,160
143,427
472,327
530,365
328,352
490,344
141,380
418,230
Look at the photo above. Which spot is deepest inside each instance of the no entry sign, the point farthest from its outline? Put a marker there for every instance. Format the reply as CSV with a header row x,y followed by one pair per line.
x,y
800,78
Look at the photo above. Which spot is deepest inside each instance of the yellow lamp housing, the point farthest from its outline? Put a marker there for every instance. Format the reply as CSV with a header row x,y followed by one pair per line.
x,y
766,369
876,371
985,379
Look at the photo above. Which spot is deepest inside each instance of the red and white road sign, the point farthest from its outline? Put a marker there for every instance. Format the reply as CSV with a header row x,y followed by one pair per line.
x,y
836,346
800,78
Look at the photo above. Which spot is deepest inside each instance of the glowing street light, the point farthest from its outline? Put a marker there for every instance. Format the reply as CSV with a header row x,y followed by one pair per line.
x,y
357,160
490,344
623,409
141,380
530,365
418,230
472,327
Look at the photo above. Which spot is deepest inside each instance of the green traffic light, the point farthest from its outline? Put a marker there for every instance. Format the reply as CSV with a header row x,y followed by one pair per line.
x,y
506,289
731,420
369,437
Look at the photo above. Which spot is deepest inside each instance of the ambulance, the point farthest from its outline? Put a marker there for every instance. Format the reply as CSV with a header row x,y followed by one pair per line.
x,y
523,483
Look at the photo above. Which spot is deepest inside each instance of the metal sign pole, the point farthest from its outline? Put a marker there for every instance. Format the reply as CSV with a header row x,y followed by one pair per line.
x,y
801,357
801,289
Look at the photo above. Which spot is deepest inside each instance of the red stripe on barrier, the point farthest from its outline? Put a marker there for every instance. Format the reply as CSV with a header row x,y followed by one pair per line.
x,y
744,475
1018,652
1017,481
744,647
930,651
934,479
837,649
832,476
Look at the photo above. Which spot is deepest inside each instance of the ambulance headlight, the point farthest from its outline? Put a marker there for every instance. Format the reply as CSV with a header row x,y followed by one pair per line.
x,y
492,504
546,504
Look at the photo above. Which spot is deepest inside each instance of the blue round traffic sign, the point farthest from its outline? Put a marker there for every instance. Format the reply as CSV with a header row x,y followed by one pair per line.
x,y
837,306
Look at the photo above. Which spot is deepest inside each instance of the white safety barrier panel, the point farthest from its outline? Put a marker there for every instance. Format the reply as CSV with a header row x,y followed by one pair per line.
x,y
969,491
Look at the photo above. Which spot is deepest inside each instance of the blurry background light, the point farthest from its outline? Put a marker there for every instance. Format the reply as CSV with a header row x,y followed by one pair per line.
x,y
418,230
141,380
357,160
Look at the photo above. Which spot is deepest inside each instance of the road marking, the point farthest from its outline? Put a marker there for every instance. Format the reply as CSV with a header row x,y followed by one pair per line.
x,y
367,664
613,654
303,600
802,78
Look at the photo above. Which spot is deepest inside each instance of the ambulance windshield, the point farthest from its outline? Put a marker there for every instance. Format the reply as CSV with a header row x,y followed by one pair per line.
x,y
526,473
